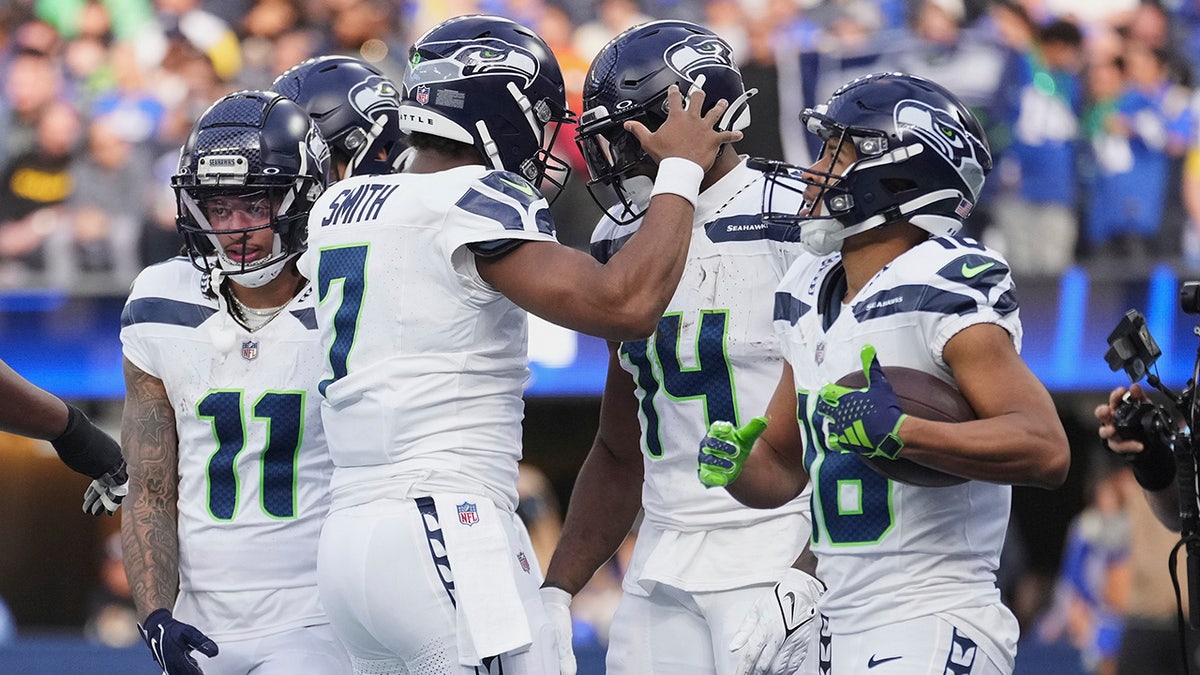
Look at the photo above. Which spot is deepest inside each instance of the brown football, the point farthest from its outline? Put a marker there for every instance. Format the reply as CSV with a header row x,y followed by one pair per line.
x,y
925,396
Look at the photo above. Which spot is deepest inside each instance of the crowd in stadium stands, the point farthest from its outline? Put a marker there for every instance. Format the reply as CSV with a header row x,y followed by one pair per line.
x,y
1090,107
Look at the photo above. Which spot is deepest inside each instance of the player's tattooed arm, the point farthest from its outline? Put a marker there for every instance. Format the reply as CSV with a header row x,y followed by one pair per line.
x,y
148,528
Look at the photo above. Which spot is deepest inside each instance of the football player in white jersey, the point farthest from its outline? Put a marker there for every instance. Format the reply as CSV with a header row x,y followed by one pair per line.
x,y
423,281
702,560
29,410
911,571
229,471
355,106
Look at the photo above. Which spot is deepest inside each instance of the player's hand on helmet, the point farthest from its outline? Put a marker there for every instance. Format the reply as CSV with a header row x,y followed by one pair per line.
x,y
172,642
686,133
724,450
105,493
865,420
558,608
774,636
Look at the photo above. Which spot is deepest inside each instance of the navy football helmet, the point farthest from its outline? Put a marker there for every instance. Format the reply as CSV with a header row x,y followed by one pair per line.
x,y
489,82
356,107
628,80
251,144
921,157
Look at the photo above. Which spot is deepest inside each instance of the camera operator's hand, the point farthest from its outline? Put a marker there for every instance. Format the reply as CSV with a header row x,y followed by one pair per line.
x,y
1108,429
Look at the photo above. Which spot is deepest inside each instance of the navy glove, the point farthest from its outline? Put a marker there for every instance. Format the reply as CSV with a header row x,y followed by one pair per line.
x,y
867,420
172,643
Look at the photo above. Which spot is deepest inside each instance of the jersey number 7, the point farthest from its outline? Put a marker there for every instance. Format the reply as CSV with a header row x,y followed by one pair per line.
x,y
345,266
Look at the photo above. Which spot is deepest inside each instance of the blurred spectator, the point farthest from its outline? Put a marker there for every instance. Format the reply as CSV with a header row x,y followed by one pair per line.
x,y
612,17
538,508
1094,584
206,32
31,87
1036,225
33,187
110,201
943,49
111,617
729,19
1149,128
131,100
78,18
1190,193
593,607
267,22
555,28
160,239
1150,643
759,71
367,29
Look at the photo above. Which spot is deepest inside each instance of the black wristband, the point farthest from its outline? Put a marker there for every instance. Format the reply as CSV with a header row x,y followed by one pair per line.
x,y
84,448
1153,467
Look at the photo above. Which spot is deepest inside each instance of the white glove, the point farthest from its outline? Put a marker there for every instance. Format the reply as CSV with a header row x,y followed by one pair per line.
x,y
770,639
558,608
105,493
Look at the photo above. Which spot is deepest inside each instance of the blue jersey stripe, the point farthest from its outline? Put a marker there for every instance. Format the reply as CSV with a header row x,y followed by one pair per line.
x,y
789,308
162,310
749,227
512,185
914,298
307,317
484,206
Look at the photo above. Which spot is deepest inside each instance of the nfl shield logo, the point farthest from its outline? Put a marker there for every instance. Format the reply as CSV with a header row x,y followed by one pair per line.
x,y
468,514
819,357
524,561
249,350
423,94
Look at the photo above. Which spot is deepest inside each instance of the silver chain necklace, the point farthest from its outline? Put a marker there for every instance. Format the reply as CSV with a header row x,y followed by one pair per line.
x,y
253,318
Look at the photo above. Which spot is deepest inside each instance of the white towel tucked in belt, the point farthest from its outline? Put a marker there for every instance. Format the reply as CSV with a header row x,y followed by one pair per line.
x,y
491,617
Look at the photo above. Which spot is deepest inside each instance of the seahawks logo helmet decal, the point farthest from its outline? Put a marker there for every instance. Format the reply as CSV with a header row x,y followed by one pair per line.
x,y
484,56
698,51
943,134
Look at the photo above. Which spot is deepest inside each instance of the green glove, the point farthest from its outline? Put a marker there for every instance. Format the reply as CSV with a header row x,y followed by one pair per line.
x,y
867,420
724,450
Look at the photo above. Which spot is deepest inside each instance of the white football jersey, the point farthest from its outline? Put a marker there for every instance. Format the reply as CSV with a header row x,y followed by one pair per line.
x,y
254,470
426,363
887,550
715,355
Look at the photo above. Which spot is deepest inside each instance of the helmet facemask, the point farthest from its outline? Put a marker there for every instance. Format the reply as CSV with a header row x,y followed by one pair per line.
x,y
490,83
922,160
198,207
629,80
258,154
614,156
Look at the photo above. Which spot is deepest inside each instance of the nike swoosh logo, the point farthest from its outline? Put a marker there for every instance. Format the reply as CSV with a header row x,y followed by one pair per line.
x,y
872,662
970,272
789,612
527,189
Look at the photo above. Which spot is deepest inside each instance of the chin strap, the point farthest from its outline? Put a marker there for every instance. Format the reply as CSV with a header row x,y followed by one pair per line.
x,y
737,115
489,146
822,236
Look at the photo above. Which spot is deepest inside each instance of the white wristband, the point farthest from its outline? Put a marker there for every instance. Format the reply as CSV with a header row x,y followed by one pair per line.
x,y
678,176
